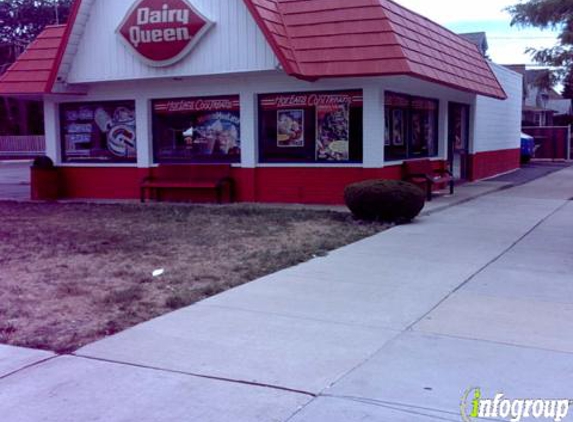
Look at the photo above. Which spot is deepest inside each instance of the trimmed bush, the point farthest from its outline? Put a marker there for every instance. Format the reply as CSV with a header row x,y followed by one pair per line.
x,y
43,162
385,200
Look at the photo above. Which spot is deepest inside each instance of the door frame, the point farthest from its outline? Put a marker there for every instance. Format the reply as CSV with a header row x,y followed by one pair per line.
x,y
459,148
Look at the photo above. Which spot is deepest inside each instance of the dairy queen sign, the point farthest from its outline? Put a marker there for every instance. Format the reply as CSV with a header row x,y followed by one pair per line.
x,y
162,32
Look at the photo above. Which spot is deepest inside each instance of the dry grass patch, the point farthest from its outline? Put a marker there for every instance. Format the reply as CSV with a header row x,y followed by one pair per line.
x,y
73,273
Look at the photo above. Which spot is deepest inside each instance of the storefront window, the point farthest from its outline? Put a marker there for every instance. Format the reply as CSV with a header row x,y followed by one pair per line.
x,y
311,127
98,132
197,130
411,127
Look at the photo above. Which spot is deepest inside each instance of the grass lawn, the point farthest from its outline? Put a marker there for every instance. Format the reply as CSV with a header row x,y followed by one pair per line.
x,y
73,273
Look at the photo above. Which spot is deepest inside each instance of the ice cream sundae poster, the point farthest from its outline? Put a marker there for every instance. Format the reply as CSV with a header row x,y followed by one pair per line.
x,y
333,132
99,131
290,128
217,133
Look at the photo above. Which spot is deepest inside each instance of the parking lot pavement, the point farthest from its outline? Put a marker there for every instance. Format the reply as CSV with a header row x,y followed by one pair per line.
x,y
15,180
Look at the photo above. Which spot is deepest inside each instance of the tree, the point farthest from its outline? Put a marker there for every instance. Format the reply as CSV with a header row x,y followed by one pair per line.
x,y
568,85
549,14
22,20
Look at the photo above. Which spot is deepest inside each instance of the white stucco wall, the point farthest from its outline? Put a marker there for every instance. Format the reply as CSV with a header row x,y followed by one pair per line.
x,y
248,86
497,124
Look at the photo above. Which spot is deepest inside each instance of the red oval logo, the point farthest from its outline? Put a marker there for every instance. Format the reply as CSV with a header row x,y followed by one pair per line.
x,y
162,32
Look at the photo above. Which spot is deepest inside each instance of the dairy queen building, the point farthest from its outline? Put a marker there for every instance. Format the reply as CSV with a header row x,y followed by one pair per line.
x,y
297,99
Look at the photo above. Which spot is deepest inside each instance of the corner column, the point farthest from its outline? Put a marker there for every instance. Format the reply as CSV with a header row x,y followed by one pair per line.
x,y
52,131
144,133
249,119
373,127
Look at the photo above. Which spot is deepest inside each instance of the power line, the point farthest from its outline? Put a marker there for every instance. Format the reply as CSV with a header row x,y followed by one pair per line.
x,y
522,38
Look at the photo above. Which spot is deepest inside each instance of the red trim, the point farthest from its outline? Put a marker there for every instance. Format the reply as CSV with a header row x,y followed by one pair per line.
x,y
491,163
305,185
63,46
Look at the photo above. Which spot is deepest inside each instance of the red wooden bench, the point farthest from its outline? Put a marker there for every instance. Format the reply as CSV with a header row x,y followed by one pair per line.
x,y
205,177
423,174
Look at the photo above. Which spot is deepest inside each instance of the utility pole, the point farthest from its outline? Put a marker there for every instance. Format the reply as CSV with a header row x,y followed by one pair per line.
x,y
57,12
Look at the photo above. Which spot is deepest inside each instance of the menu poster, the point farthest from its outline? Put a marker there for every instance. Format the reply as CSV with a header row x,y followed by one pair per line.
x,y
429,131
99,131
417,132
387,127
333,132
216,133
398,134
290,128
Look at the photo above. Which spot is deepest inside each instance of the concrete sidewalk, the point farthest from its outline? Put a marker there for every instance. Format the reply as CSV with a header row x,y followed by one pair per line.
x,y
393,328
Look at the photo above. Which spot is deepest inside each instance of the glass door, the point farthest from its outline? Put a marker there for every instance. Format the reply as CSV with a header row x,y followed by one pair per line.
x,y
459,136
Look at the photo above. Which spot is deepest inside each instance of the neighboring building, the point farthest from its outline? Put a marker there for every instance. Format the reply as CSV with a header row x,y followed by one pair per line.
x,y
541,105
479,39
301,98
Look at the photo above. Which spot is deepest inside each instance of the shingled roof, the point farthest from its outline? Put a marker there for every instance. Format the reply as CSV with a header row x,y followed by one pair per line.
x,y
335,38
34,71
316,39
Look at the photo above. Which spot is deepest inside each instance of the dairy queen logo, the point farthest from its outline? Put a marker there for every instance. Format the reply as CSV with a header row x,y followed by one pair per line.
x,y
162,32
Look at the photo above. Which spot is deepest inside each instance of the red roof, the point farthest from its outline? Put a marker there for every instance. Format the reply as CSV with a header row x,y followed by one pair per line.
x,y
34,71
315,39
335,38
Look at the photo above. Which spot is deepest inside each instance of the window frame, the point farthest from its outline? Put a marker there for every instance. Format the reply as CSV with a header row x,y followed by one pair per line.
x,y
301,100
112,160
432,146
194,114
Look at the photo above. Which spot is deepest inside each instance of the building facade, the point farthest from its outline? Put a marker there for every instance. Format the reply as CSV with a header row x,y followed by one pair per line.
x,y
300,101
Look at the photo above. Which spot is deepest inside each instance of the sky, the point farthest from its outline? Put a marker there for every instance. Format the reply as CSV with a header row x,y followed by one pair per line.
x,y
507,44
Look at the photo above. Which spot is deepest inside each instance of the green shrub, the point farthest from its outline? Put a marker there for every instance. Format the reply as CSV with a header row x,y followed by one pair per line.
x,y
385,200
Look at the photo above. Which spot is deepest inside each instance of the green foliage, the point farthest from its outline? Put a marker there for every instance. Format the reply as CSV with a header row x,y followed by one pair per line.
x,y
385,200
22,20
549,14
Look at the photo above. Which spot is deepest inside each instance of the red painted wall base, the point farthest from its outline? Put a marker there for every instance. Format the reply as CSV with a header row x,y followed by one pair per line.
x,y
305,185
487,164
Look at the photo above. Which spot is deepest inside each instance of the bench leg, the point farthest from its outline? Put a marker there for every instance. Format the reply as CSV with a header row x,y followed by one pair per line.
x,y
452,187
142,195
429,191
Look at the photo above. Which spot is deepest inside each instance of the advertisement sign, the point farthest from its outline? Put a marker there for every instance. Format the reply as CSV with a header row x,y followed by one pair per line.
x,y
308,100
162,32
103,131
290,128
333,132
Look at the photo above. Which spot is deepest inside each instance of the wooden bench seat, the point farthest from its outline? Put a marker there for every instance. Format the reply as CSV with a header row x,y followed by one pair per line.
x,y
213,177
423,174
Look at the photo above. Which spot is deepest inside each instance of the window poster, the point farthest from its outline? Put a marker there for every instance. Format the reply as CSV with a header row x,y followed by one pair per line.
x,y
417,133
215,134
333,132
290,128
387,127
95,132
398,134
429,131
